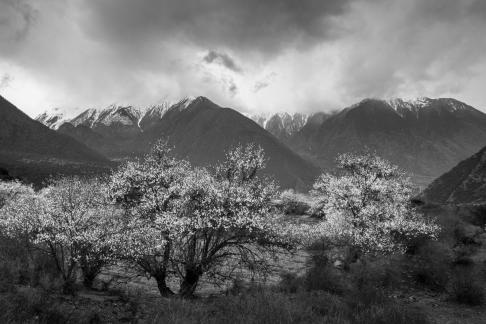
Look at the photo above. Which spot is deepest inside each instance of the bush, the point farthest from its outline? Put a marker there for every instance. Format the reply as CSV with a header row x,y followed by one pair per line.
x,y
322,276
263,306
259,306
370,304
291,283
386,313
468,290
431,266
30,305
19,266
382,273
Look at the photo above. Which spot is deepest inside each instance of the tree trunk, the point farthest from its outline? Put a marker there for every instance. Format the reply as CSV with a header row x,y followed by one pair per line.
x,y
164,290
90,272
189,282
88,279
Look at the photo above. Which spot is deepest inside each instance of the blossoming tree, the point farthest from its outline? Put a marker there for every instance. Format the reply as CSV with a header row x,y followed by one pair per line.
x,y
368,206
195,222
148,190
226,220
71,220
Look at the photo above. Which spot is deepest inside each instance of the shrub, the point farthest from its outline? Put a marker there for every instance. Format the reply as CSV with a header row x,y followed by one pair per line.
x,y
291,283
21,266
431,266
259,306
467,233
263,306
322,276
389,313
30,306
468,290
382,273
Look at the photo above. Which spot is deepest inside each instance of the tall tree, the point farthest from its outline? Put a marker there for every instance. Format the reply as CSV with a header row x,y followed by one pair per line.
x,y
148,190
227,220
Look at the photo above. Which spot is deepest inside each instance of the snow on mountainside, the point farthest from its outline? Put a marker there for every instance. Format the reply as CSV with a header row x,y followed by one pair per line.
x,y
282,125
114,115
416,105
53,119
86,118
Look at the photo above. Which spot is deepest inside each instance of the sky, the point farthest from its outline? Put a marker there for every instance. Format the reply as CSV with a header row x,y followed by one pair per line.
x,y
255,56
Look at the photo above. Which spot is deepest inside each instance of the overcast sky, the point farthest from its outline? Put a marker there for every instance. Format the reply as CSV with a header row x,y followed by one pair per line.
x,y
253,55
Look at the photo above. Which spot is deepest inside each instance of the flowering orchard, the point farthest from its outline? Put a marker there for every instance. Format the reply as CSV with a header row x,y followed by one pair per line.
x,y
169,219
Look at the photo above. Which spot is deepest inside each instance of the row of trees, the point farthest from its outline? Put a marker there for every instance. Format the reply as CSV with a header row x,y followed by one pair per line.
x,y
160,214
167,218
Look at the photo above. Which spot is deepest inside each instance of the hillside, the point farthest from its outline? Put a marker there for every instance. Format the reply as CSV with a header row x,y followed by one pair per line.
x,y
200,131
31,150
425,137
463,184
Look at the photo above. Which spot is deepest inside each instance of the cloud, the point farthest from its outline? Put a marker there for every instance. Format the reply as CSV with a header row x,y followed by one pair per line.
x,y
264,82
255,55
16,19
264,27
5,81
418,48
222,59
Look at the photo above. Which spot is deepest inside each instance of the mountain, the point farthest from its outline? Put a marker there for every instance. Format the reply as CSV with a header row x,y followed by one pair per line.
x,y
199,130
464,184
425,137
52,119
32,151
111,131
281,125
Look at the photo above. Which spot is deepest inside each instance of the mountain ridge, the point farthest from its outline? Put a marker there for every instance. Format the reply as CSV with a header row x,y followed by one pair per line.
x,y
463,184
32,150
199,130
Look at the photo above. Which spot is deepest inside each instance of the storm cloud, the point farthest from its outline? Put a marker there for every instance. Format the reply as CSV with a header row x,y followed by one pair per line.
x,y
321,55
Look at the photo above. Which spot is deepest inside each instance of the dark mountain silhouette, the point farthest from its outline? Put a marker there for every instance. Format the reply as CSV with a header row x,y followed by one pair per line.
x,y
425,137
199,130
464,184
203,131
31,150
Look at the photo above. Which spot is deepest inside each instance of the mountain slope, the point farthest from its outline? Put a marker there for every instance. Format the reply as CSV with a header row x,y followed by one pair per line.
x,y
425,137
199,130
464,184
25,144
203,132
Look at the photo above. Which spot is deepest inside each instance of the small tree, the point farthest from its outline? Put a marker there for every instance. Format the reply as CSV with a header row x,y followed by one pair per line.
x,y
17,200
368,206
148,190
72,221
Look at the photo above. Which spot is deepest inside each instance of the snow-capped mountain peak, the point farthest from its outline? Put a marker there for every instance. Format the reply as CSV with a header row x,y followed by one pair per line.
x,y
53,118
86,118
417,105
119,114
281,124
